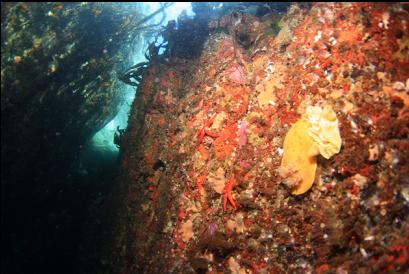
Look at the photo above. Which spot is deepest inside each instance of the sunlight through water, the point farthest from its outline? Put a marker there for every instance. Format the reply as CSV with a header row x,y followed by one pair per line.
x,y
103,139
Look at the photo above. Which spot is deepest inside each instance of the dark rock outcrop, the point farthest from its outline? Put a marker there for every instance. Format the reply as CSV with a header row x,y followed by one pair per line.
x,y
59,86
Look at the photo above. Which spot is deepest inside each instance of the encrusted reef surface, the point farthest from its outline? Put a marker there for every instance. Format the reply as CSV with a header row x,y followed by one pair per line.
x,y
202,190
59,65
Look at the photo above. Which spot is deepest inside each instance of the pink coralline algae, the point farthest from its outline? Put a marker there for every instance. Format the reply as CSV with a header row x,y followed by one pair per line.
x,y
244,164
243,133
237,75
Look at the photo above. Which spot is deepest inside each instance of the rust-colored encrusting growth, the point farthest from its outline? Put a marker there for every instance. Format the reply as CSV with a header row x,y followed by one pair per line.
x,y
315,101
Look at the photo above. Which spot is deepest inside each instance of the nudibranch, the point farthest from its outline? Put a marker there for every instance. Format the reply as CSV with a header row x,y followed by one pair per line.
x,y
317,132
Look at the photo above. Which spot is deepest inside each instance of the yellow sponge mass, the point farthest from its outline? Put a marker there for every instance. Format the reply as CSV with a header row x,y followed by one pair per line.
x,y
298,165
316,133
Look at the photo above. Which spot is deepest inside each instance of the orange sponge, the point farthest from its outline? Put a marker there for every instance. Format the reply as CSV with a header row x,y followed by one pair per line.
x,y
299,163
316,133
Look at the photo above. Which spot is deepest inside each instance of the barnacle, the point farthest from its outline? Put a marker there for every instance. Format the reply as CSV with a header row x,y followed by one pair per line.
x,y
315,133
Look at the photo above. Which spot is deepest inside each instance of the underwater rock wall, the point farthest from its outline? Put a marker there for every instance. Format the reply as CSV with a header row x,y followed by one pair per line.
x,y
59,86
59,82
201,189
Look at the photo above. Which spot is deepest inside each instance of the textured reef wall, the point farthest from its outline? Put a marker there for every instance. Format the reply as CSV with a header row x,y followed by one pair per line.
x,y
58,77
58,87
202,189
